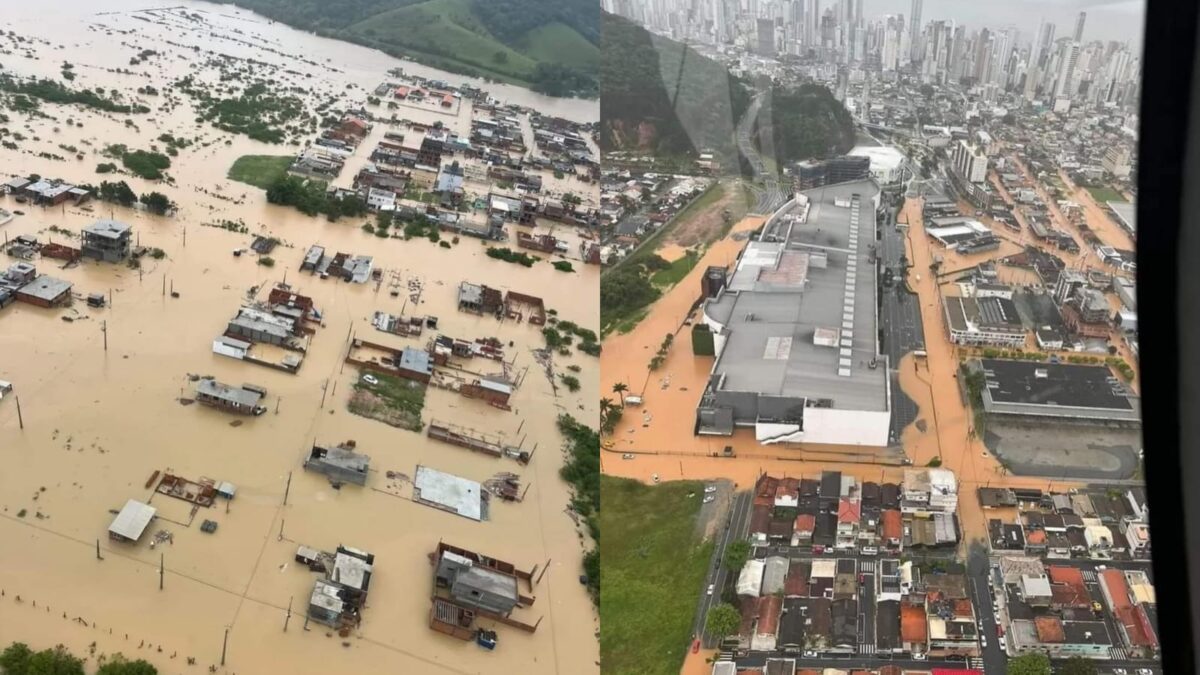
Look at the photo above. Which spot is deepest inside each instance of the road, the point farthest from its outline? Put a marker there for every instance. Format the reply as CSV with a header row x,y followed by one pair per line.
x,y
738,524
900,319
770,197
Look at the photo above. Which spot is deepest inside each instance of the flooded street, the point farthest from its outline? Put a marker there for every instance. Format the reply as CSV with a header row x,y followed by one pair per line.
x,y
99,421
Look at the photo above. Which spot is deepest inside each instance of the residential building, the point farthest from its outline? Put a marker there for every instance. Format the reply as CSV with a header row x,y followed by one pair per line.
x,y
107,241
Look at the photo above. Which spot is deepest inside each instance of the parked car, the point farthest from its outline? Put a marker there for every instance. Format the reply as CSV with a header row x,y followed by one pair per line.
x,y
710,589
627,455
919,657
370,379
710,488
709,499
654,478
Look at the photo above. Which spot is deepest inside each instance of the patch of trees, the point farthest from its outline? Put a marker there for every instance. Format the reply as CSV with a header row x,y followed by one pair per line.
x,y
312,198
54,92
808,122
19,659
582,471
664,97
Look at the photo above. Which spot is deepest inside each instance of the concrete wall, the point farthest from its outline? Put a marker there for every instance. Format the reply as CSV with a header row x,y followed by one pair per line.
x,y
846,427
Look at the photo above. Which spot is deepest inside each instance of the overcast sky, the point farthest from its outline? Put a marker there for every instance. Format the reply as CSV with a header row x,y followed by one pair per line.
x,y
1106,19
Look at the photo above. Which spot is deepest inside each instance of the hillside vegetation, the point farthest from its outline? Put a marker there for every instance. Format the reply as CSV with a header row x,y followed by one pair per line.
x,y
808,122
550,46
664,98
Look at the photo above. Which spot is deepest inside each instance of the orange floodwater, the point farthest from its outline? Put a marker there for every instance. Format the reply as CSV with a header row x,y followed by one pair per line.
x,y
98,423
660,435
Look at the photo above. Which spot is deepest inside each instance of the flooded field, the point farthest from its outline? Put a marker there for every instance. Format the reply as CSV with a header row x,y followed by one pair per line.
x,y
100,394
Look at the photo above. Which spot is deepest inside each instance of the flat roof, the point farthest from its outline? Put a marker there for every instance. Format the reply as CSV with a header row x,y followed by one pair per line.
x,y
459,495
45,288
782,293
237,395
1126,212
132,520
1054,384
109,229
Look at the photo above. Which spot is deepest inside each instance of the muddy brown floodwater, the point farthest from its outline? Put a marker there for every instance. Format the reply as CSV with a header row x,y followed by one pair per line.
x,y
98,423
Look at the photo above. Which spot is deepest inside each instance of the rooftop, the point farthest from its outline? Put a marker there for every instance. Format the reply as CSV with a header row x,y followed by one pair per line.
x,y
238,395
132,520
452,493
1038,385
784,294
46,288
109,229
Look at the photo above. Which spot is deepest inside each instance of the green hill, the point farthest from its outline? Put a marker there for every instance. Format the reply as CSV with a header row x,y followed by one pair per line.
x,y
663,97
808,122
547,45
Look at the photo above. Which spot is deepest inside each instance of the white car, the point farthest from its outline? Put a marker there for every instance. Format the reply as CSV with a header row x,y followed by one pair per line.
x,y
1119,671
654,478
627,455
982,642
919,657
370,379
1145,671
710,489
709,499
710,588
810,655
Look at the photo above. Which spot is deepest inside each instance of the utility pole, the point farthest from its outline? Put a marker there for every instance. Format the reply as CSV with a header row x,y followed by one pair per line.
x,y
289,614
286,491
224,645
161,570
104,329
20,420
98,556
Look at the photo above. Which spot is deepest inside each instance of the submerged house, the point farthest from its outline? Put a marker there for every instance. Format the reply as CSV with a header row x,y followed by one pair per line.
x,y
340,463
107,241
243,400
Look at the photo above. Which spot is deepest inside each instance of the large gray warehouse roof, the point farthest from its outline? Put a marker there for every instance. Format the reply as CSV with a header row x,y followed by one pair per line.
x,y
787,292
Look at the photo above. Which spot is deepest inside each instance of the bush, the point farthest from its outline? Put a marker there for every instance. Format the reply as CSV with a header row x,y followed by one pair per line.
x,y
266,261
570,381
563,266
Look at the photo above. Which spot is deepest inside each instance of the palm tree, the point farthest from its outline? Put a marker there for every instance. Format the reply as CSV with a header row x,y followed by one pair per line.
x,y
606,405
620,388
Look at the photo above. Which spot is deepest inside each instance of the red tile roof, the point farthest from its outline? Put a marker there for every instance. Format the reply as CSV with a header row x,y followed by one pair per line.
x,y
849,511
1118,588
912,623
805,522
1049,629
1067,588
893,526
768,615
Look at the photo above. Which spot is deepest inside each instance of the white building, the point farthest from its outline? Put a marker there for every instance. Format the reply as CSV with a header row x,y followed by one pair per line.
x,y
971,162
887,163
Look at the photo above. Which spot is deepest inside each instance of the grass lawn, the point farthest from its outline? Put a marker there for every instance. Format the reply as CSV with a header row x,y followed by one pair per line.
x,y
259,170
394,400
556,42
677,271
651,574
449,29
1105,194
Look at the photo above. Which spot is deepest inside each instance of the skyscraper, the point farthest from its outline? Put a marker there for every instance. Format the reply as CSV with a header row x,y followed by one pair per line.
x,y
914,30
1066,69
1079,26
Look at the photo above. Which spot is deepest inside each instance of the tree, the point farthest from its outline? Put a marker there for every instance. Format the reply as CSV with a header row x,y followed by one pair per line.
x,y
57,661
119,665
1029,664
1078,665
620,388
157,202
14,660
736,555
500,57
722,620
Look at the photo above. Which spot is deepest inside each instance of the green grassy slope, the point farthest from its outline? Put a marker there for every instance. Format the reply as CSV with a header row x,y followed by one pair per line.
x,y
652,571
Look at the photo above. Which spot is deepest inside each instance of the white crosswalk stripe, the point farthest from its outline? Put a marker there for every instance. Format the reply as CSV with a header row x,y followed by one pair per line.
x,y
1118,653
866,649
1089,575
976,662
